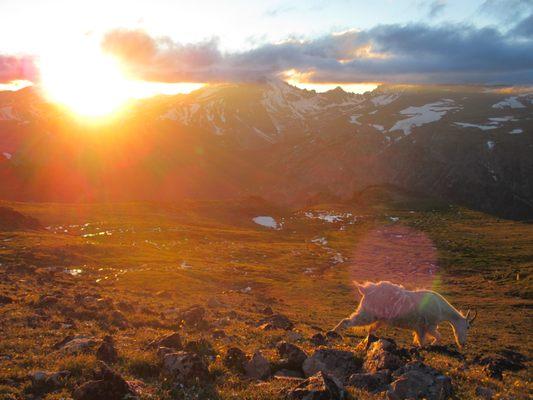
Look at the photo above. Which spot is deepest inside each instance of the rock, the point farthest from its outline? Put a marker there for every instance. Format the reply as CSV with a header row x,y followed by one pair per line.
x,y
332,335
6,299
79,345
218,334
288,373
337,363
107,352
258,367
172,341
418,381
381,355
484,392
163,351
294,336
267,310
235,359
46,301
292,355
186,368
318,339
108,385
202,347
48,381
213,302
370,381
276,321
506,360
318,387
193,316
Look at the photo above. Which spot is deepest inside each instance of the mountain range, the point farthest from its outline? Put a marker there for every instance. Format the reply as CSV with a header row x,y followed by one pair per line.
x,y
471,145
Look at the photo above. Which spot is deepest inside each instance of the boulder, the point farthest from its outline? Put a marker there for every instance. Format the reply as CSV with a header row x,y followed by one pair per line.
x,y
336,363
235,359
291,355
79,345
332,335
193,316
185,367
108,385
318,387
318,339
382,355
276,321
416,380
48,381
107,351
370,381
172,341
289,373
258,367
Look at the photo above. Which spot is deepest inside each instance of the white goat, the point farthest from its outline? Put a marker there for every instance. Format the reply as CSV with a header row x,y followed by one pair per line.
x,y
387,304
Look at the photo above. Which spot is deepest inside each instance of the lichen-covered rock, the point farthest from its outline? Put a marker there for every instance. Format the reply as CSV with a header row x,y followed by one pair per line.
x,y
318,339
318,387
419,381
185,367
291,355
258,367
46,381
337,363
381,355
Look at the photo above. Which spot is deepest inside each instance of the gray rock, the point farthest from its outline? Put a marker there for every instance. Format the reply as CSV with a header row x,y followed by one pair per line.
x,y
291,354
318,387
370,381
235,359
484,392
381,355
258,367
185,367
108,385
79,345
419,381
276,321
336,363
107,351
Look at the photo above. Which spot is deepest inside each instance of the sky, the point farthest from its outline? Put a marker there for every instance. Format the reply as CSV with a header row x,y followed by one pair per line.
x,y
313,42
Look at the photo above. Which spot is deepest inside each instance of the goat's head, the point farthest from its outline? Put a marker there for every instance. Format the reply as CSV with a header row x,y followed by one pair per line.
x,y
461,327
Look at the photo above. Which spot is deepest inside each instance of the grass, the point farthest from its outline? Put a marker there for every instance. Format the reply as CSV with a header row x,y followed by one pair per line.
x,y
154,259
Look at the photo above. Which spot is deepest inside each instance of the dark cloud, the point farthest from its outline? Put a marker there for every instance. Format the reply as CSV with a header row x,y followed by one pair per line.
x,y
396,53
17,68
524,28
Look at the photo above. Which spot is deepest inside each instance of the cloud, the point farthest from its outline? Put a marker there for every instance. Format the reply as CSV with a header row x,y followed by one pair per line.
x,y
447,53
436,7
507,11
524,28
17,68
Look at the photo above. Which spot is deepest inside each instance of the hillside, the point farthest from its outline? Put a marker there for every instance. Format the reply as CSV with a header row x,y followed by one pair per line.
x,y
112,282
465,144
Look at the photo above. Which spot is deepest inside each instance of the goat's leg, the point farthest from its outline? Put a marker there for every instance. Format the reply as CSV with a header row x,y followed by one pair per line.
x,y
434,333
419,338
365,343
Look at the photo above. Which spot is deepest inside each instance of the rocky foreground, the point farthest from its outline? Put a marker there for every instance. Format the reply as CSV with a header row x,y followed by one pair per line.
x,y
190,369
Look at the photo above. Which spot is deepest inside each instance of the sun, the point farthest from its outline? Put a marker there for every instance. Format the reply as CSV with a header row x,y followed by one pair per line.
x,y
89,83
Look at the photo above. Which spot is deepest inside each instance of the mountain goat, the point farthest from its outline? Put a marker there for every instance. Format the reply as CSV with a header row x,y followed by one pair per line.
x,y
387,304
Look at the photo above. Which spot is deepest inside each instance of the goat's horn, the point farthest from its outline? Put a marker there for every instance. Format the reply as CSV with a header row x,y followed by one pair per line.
x,y
474,317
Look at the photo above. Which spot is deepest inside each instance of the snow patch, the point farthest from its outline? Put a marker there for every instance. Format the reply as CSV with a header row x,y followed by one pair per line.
x,y
423,115
266,221
511,102
516,131
482,127
7,155
353,119
490,144
384,99
380,128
